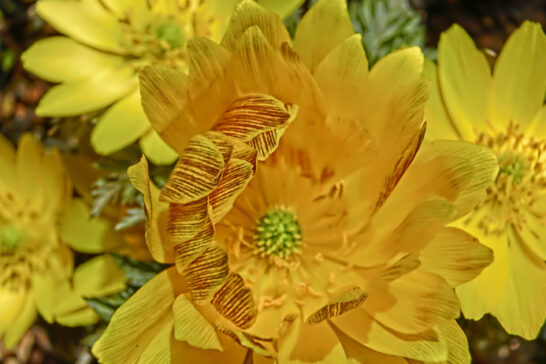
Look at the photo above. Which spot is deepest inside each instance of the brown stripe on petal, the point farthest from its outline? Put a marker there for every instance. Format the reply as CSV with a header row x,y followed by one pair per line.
x,y
401,166
196,174
206,273
224,143
266,143
186,251
343,303
251,115
235,302
234,179
245,152
186,220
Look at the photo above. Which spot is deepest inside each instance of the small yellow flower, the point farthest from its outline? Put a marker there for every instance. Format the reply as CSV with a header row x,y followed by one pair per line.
x,y
334,248
39,223
106,44
504,112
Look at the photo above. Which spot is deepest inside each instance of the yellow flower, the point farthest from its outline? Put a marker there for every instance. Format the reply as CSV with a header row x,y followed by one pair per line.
x,y
106,44
504,112
39,222
332,249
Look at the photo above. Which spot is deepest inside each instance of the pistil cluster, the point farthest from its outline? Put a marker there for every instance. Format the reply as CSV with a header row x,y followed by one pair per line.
x,y
520,181
278,234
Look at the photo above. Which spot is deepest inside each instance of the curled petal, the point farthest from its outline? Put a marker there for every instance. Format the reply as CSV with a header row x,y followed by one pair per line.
x,y
235,302
196,174
206,273
339,305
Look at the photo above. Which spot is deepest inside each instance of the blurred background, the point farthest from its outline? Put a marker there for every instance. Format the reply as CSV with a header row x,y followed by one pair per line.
x,y
386,25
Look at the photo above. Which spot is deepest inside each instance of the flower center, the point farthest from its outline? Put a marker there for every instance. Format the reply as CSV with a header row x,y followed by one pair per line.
x,y
278,234
170,33
520,181
10,238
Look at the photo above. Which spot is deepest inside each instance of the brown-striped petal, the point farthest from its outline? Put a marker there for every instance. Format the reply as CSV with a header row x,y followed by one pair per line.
x,y
186,251
250,115
343,303
197,172
234,179
206,273
235,302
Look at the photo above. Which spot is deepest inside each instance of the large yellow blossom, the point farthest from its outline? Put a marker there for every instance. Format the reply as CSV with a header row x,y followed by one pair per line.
x,y
333,248
505,112
106,44
39,223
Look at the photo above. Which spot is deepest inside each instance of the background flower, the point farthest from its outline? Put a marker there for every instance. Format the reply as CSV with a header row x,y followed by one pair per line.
x,y
106,45
504,112
39,223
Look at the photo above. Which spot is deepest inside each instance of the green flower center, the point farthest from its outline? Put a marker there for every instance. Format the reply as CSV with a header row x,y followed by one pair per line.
x,y
10,238
278,234
513,166
171,34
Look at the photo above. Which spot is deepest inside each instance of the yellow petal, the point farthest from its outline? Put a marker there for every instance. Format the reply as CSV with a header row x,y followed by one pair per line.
x,y
458,171
331,20
522,308
481,295
157,212
44,286
439,124
7,166
342,77
456,341
190,326
137,10
248,14
162,90
196,174
120,125
156,149
136,323
30,171
85,316
519,80
11,301
25,319
206,273
78,61
415,302
465,81
91,94
86,233
98,277
468,256
283,8
235,302
362,353
86,21
158,349
358,325
307,343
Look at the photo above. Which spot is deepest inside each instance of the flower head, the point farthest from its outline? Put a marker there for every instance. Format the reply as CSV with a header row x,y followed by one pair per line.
x,y
320,238
504,112
38,221
107,43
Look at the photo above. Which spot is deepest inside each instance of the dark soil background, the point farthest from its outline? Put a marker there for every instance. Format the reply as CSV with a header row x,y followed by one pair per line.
x,y
489,22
